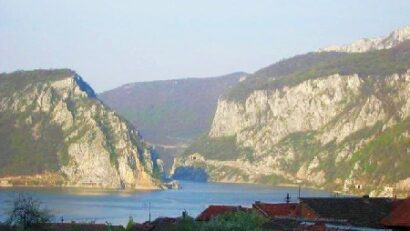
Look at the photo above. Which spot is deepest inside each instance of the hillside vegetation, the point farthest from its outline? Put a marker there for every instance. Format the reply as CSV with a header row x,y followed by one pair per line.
x,y
219,148
332,120
170,111
24,153
18,80
55,132
290,72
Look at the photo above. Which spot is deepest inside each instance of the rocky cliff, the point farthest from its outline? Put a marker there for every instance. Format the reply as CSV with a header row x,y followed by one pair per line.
x,y
338,121
55,131
170,113
368,44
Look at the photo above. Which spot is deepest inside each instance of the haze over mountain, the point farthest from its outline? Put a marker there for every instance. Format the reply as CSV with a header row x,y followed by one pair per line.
x,y
334,120
113,43
55,132
170,113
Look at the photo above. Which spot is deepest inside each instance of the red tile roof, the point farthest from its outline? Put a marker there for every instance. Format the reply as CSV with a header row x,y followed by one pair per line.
x,y
215,210
400,216
275,210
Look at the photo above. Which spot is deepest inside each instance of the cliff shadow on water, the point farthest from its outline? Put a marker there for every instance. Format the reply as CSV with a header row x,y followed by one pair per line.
x,y
190,174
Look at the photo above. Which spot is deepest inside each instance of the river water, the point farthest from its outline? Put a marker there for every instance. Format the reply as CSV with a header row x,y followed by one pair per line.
x,y
102,206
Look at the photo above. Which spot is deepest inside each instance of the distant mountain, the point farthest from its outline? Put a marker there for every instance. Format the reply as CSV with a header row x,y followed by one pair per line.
x,y
170,112
55,132
333,120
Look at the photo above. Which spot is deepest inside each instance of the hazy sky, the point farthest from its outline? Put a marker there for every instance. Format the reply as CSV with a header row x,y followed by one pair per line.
x,y
110,43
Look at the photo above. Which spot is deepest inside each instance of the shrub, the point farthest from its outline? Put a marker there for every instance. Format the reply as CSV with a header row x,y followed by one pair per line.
x,y
130,224
187,224
27,212
236,221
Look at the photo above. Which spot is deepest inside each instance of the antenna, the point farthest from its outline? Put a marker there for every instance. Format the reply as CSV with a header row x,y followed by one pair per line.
x,y
287,198
149,212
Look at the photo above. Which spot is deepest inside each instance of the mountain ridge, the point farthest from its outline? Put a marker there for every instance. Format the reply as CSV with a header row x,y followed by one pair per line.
x,y
170,113
60,132
369,44
163,101
332,120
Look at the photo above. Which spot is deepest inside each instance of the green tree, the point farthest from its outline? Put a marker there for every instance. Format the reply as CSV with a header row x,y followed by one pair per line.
x,y
27,212
130,224
236,221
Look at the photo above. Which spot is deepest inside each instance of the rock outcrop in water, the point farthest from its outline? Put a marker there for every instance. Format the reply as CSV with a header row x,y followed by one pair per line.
x,y
338,121
55,131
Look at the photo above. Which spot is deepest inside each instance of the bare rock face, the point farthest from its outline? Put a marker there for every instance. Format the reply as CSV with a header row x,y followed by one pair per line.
x,y
305,107
337,119
327,133
99,149
369,44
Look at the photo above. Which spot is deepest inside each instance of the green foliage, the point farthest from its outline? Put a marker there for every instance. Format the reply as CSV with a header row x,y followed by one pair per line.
x,y
389,148
220,148
170,111
305,147
235,221
27,212
130,224
271,179
110,227
107,130
18,80
27,149
187,224
295,70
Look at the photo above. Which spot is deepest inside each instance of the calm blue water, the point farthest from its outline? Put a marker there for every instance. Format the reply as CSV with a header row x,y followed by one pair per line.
x,y
116,206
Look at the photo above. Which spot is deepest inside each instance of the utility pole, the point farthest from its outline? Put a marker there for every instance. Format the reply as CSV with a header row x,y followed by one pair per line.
x,y
287,198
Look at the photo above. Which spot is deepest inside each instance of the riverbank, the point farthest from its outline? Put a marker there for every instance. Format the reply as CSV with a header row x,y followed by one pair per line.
x,y
48,180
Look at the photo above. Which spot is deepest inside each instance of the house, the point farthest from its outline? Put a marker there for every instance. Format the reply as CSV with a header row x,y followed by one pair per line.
x,y
215,210
357,211
276,210
305,224
282,224
399,218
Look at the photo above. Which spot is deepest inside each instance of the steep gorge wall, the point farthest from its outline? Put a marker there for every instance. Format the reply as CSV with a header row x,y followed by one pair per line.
x,y
336,119
337,132
96,149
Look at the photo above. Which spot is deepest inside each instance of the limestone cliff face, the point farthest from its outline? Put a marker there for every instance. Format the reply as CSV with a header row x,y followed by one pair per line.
x,y
99,149
319,133
368,44
305,107
345,131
